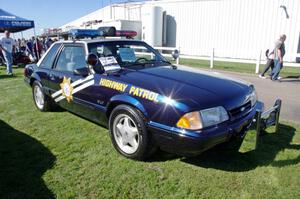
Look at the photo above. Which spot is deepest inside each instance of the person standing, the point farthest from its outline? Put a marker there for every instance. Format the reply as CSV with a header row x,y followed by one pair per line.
x,y
23,45
279,52
29,48
37,48
18,45
48,43
7,45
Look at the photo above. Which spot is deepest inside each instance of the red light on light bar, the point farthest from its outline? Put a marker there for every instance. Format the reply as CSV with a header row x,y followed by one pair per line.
x,y
126,33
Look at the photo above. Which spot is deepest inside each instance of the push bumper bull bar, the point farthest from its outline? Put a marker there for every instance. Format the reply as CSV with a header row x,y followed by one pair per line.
x,y
265,119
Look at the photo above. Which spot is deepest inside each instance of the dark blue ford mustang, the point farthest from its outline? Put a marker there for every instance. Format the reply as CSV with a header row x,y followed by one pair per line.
x,y
146,102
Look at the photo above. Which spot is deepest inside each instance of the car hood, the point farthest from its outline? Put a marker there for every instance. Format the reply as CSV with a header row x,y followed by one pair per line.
x,y
196,88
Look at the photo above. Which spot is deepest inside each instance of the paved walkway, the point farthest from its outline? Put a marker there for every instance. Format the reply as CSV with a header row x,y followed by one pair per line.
x,y
288,89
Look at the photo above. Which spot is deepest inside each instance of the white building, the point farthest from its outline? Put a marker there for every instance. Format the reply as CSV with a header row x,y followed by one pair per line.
x,y
234,28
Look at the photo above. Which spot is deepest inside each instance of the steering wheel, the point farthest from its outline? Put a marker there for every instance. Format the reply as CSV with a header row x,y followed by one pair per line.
x,y
140,59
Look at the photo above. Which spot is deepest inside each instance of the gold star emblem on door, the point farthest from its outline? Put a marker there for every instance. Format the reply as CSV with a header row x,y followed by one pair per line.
x,y
67,89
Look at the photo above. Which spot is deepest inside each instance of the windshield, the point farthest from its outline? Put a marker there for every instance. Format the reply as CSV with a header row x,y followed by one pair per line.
x,y
127,53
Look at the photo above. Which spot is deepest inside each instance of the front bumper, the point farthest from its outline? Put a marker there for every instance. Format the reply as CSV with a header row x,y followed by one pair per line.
x,y
265,119
185,142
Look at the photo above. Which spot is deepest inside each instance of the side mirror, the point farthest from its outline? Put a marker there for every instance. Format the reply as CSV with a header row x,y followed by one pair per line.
x,y
175,54
82,72
93,60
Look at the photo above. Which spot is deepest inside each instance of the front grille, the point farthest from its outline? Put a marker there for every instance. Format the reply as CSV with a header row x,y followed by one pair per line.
x,y
240,111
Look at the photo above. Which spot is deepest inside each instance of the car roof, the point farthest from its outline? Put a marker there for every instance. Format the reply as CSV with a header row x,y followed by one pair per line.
x,y
87,41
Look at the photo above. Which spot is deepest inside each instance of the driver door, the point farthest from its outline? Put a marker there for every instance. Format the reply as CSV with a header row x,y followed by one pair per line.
x,y
65,83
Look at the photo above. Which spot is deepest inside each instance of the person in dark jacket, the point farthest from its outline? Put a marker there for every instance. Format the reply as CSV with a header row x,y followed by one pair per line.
x,y
37,48
269,64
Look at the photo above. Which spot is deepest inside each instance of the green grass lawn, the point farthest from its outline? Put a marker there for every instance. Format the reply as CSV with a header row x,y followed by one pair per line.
x,y
237,67
57,154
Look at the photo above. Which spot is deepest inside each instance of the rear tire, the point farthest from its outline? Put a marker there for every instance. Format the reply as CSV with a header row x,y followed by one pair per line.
x,y
42,102
129,134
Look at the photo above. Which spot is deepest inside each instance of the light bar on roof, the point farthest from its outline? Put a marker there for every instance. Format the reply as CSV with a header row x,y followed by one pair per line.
x,y
81,33
102,32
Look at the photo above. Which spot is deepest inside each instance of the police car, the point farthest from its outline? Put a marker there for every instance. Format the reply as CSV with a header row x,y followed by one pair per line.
x,y
144,100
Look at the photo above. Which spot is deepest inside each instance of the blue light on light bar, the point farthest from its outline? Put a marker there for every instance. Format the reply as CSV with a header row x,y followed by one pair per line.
x,y
100,32
84,33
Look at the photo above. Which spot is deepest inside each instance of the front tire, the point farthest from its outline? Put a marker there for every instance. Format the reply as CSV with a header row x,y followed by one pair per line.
x,y
129,134
41,101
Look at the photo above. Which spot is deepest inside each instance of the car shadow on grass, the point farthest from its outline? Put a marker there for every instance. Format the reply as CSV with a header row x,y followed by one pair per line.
x,y
269,145
23,161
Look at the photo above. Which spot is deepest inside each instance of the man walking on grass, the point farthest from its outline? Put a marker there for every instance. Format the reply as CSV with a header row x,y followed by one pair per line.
x,y
7,45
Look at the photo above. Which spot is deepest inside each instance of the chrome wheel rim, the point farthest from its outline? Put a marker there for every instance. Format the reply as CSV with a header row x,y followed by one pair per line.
x,y
38,97
126,134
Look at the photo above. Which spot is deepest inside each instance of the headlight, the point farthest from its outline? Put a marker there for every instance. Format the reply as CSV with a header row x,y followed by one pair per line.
x,y
190,121
204,118
213,116
253,97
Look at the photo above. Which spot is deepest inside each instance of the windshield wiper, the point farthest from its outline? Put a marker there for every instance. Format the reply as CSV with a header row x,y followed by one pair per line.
x,y
135,64
151,62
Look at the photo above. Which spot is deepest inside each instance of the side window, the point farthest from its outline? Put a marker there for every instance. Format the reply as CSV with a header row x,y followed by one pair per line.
x,y
71,58
48,60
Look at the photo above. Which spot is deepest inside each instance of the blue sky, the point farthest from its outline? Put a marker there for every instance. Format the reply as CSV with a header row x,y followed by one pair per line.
x,y
51,13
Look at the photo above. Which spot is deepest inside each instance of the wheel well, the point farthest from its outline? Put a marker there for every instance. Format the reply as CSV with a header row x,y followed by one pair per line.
x,y
31,81
113,105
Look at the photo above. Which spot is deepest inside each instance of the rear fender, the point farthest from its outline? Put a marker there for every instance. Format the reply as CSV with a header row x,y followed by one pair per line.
x,y
34,77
